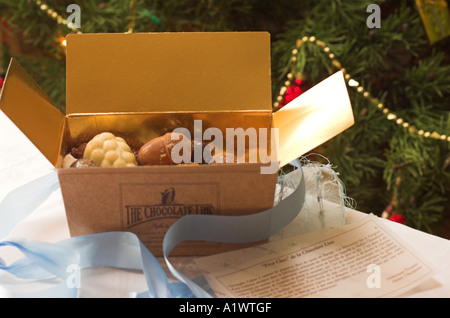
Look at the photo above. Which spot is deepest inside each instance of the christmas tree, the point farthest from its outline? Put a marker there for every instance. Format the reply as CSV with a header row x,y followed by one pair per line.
x,y
395,160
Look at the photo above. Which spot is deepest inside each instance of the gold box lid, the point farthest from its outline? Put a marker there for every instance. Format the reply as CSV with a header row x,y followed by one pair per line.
x,y
24,102
143,72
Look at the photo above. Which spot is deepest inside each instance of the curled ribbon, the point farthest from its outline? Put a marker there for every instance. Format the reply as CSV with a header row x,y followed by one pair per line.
x,y
124,250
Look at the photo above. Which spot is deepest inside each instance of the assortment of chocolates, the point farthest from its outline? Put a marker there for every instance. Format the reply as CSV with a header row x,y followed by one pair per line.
x,y
108,150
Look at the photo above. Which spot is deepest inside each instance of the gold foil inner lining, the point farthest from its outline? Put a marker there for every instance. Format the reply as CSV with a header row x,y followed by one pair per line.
x,y
139,128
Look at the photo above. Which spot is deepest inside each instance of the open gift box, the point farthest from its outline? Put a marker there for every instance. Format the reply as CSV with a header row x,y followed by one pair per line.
x,y
141,86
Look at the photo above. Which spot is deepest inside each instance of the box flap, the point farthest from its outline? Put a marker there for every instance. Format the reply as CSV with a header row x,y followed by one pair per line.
x,y
32,112
314,117
141,72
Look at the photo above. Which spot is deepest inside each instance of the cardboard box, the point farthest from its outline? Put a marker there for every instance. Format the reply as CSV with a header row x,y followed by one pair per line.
x,y
140,86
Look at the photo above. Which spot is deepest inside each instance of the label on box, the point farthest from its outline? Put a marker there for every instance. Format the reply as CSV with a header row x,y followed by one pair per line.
x,y
149,209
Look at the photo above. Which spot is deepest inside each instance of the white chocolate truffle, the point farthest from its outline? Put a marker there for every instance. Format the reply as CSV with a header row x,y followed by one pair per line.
x,y
107,150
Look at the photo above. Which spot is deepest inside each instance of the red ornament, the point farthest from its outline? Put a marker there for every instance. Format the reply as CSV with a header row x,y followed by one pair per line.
x,y
294,90
392,216
397,218
1,82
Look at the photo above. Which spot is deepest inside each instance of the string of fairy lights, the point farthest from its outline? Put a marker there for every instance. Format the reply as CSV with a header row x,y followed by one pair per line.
x,y
306,39
62,21
354,84
57,17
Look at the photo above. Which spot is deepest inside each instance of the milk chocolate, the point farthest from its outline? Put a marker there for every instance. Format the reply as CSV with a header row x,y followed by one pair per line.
x,y
78,151
157,151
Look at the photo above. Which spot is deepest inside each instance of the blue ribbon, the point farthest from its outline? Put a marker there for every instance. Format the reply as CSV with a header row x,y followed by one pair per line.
x,y
124,250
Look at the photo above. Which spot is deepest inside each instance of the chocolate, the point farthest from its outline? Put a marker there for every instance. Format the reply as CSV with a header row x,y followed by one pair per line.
x,y
107,150
68,160
158,151
134,144
83,163
78,151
